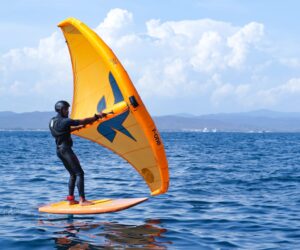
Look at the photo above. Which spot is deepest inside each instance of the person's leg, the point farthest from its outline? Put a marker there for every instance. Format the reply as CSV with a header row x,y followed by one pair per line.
x,y
63,156
73,161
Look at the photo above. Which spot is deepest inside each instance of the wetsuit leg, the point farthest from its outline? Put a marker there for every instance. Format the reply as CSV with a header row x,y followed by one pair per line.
x,y
72,178
72,164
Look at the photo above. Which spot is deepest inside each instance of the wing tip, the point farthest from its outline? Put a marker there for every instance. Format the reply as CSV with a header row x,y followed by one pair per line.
x,y
159,191
69,20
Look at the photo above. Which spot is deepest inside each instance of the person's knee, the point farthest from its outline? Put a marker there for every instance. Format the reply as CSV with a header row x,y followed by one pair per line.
x,y
72,176
80,173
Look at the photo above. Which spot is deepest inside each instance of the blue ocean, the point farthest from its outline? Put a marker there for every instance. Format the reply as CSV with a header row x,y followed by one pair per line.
x,y
227,191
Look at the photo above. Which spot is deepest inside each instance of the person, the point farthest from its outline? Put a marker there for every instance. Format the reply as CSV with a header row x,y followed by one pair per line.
x,y
61,127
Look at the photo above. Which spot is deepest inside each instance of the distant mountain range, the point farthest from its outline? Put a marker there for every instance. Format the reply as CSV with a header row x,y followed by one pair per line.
x,y
255,121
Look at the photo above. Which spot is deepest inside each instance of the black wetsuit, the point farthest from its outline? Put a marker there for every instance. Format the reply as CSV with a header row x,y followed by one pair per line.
x,y
60,128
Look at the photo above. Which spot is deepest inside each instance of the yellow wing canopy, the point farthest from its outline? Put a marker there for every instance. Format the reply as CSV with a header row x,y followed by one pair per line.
x,y
102,84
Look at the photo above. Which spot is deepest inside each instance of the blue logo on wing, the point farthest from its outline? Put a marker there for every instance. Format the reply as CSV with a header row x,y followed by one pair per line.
x,y
118,97
110,127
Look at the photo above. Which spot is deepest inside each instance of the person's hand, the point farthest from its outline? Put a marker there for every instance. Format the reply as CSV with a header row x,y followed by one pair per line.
x,y
100,115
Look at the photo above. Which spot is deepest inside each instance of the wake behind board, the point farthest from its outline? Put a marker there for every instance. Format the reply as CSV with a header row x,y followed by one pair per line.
x,y
99,206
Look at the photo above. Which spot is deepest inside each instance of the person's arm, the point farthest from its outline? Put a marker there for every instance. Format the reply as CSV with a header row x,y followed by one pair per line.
x,y
92,119
76,128
78,124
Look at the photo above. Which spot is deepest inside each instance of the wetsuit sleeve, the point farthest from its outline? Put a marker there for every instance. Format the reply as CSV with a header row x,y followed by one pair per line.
x,y
67,122
70,122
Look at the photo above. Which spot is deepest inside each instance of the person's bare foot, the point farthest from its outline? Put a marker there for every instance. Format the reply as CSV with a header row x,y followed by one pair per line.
x,y
84,202
73,202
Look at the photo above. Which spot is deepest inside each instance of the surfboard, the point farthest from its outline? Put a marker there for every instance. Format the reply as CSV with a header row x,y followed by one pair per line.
x,y
99,206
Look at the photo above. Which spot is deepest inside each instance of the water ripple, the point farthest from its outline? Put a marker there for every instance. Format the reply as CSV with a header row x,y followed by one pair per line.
x,y
228,191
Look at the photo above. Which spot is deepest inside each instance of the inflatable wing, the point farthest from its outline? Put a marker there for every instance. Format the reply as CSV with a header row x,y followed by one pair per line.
x,y
102,84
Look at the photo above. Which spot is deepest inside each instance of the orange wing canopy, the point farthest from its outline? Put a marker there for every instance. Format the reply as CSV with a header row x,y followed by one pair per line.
x,y
102,84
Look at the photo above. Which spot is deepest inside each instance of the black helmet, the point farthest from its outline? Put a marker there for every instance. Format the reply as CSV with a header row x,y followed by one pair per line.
x,y
60,105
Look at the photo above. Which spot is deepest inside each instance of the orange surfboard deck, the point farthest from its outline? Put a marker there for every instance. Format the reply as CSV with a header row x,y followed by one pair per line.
x,y
99,206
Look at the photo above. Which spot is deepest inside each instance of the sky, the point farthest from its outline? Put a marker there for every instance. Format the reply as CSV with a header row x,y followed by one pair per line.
x,y
192,56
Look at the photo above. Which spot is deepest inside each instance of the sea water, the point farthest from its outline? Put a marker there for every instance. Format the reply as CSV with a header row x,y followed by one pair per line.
x,y
227,191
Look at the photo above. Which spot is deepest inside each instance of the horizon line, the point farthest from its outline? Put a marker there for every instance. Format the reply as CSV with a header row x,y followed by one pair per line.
x,y
178,114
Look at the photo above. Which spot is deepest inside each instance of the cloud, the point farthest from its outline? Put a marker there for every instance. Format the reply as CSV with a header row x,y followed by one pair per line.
x,y
213,62
274,95
50,51
38,74
116,28
241,41
209,45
